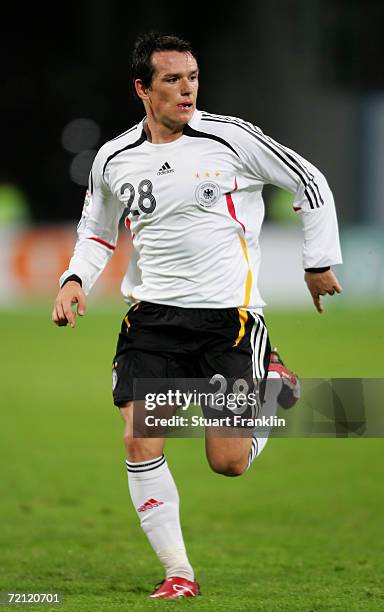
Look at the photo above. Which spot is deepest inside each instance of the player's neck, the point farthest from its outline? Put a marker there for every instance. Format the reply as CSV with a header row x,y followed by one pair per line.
x,y
158,133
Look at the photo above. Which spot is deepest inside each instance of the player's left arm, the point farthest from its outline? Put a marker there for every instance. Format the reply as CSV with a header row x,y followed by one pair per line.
x,y
273,163
321,283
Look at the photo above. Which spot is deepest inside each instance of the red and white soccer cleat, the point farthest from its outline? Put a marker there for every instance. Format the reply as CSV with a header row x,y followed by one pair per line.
x,y
290,391
175,587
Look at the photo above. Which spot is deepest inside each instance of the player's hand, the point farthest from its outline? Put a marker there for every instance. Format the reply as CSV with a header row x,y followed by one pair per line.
x,y
70,294
321,283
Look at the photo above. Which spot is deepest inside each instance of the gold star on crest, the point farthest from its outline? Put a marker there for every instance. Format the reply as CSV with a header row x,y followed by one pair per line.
x,y
207,174
197,174
217,173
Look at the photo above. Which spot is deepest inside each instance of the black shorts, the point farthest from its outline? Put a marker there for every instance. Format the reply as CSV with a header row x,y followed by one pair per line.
x,y
169,342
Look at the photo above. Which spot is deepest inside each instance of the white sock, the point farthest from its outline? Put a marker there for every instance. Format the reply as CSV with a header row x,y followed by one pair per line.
x,y
268,409
155,497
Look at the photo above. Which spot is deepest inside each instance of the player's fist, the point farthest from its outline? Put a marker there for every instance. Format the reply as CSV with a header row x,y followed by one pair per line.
x,y
71,293
321,283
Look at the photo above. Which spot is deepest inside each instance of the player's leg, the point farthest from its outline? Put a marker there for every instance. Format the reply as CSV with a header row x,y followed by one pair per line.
x,y
152,488
138,449
226,453
282,388
235,458
245,357
155,498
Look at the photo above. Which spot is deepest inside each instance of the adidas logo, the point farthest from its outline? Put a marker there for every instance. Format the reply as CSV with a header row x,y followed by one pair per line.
x,y
165,169
151,503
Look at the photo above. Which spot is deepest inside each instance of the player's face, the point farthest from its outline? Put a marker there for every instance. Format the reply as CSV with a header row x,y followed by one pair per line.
x,y
173,90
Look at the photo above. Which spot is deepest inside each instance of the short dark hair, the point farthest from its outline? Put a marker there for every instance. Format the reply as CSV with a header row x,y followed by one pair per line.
x,y
146,45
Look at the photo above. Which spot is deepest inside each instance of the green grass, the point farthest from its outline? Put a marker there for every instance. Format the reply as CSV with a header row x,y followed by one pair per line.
x,y
301,531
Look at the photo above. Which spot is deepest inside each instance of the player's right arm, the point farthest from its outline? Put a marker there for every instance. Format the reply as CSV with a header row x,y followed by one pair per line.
x,y
96,240
71,293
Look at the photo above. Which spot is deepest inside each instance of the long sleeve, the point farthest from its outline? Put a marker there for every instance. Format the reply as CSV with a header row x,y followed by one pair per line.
x,y
272,163
97,230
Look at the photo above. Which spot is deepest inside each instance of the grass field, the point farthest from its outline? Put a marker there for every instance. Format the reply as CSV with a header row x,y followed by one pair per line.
x,y
301,531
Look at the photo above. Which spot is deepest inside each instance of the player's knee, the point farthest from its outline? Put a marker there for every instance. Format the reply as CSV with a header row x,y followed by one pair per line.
x,y
137,448
133,445
129,442
227,467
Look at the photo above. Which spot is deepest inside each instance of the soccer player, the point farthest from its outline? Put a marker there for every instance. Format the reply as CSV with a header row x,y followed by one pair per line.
x,y
190,183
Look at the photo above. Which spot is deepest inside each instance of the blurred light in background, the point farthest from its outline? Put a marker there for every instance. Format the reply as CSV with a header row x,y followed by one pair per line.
x,y
80,134
81,166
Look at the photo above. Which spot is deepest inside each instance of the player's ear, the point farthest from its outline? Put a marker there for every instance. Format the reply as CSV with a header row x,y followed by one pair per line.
x,y
141,90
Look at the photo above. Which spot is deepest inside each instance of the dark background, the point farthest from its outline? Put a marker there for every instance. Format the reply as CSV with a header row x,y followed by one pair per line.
x,y
300,69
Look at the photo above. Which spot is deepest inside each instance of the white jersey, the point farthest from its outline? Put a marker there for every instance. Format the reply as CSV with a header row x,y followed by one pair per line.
x,y
195,209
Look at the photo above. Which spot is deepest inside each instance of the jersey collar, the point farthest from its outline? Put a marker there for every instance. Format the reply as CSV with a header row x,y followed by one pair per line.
x,y
194,121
